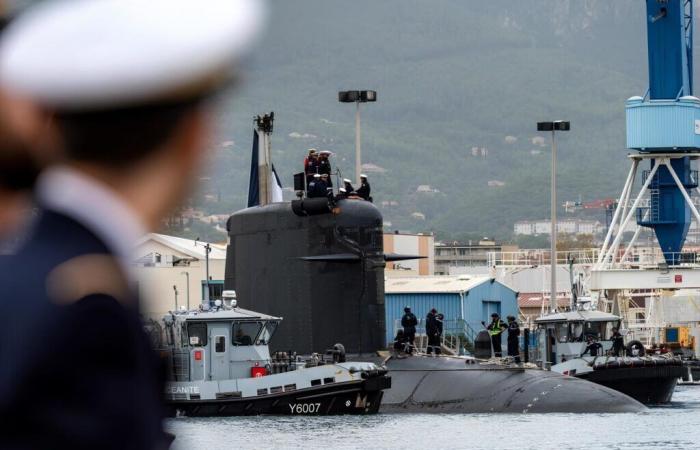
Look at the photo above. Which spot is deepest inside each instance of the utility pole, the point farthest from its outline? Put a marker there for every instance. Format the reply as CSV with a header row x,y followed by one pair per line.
x,y
187,275
357,97
175,290
558,125
358,146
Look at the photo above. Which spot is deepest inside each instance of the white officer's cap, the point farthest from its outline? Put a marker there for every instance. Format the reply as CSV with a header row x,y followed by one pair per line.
x,y
363,176
342,190
317,175
345,180
100,54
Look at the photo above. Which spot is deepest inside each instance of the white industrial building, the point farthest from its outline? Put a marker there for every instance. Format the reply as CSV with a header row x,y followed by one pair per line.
x,y
167,267
421,244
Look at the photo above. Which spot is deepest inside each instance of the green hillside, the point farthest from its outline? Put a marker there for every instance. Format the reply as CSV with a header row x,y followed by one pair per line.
x,y
450,75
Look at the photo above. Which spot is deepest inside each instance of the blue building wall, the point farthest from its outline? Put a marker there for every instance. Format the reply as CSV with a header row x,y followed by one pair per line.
x,y
473,306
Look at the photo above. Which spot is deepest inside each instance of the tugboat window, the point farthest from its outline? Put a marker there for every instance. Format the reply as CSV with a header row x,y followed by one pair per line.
x,y
576,333
266,333
197,333
244,333
562,332
219,344
595,330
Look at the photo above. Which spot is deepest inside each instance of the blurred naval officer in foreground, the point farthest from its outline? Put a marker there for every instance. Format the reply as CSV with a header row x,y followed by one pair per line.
x,y
128,84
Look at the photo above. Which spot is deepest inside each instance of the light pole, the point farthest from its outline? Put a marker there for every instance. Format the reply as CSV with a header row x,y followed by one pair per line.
x,y
187,275
557,125
207,250
357,97
175,290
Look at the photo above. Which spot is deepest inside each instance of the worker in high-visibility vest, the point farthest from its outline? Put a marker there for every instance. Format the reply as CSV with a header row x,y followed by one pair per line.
x,y
495,329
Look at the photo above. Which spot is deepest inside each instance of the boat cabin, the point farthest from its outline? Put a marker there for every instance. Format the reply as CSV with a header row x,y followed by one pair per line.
x,y
563,336
220,344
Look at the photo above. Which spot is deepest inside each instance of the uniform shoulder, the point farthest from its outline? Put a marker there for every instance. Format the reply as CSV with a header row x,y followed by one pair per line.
x,y
87,275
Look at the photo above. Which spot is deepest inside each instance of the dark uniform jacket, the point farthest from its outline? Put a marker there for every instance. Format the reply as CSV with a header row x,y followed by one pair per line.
x,y
409,321
349,189
324,167
618,343
76,368
593,348
364,190
513,331
317,189
431,324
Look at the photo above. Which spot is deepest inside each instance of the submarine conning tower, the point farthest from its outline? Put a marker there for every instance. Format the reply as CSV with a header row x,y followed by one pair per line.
x,y
319,265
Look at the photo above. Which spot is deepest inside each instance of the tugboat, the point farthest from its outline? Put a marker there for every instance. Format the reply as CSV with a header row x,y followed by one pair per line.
x,y
219,364
650,379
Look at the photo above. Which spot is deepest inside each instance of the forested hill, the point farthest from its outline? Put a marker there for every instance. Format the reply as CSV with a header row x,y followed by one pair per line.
x,y
454,78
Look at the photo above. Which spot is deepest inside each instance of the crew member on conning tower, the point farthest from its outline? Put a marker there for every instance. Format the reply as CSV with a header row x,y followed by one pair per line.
x,y
364,190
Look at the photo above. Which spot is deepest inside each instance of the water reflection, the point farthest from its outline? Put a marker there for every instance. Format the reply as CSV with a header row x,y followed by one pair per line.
x,y
676,426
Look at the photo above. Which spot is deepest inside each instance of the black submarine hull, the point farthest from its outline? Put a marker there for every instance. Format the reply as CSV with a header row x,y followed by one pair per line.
x,y
457,385
321,267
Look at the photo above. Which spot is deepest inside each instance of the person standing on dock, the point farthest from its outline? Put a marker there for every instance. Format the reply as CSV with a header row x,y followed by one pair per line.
x,y
513,335
495,329
409,323
128,85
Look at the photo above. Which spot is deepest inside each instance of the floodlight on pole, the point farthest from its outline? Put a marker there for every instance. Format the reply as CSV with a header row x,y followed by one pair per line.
x,y
357,97
557,125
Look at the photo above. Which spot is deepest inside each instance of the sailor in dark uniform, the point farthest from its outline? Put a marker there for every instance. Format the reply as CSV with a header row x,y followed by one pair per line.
x,y
513,334
317,188
618,342
409,322
127,83
592,346
324,166
347,184
311,165
431,329
364,190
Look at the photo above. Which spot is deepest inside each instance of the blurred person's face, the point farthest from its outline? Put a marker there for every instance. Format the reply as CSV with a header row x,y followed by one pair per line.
x,y
25,142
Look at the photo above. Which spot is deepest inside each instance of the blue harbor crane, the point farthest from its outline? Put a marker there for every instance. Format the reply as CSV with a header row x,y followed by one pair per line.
x,y
663,126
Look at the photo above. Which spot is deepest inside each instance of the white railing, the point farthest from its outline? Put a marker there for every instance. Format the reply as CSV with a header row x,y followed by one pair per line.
x,y
537,257
651,258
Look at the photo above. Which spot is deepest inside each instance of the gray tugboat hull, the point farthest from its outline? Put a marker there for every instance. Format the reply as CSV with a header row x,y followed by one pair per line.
x,y
448,385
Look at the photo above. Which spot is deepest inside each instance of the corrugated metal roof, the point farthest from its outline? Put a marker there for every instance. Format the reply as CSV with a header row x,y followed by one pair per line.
x,y
433,284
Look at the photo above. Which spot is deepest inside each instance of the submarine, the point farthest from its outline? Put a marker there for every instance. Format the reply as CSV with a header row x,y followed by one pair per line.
x,y
319,263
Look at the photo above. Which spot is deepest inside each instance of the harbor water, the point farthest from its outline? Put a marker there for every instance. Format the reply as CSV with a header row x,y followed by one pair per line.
x,y
674,426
